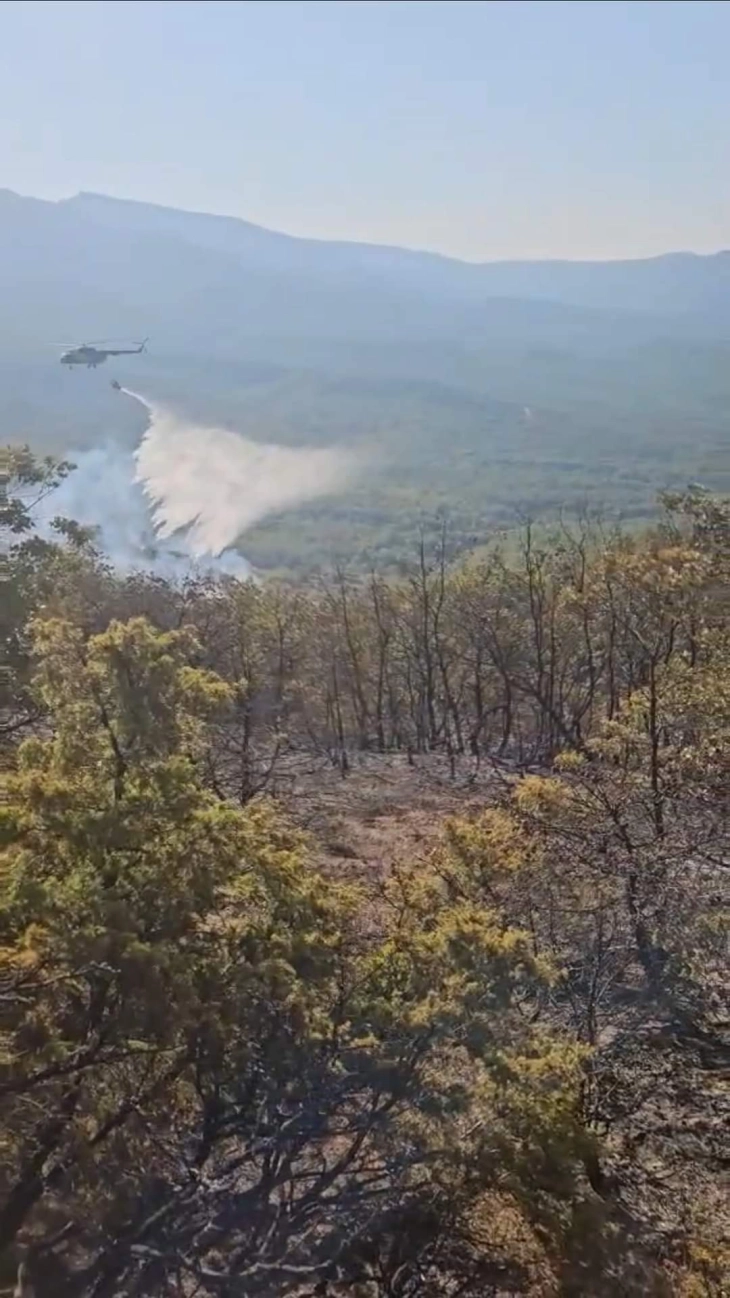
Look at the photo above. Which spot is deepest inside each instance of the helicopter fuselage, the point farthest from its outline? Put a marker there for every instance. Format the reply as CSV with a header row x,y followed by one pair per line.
x,y
88,356
93,356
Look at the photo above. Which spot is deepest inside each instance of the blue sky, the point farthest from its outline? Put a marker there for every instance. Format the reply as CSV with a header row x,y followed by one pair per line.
x,y
485,130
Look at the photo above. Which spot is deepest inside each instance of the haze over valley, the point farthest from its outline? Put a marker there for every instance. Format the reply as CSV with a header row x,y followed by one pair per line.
x,y
479,390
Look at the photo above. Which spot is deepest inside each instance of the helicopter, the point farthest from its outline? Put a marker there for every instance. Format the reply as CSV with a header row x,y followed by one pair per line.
x,y
90,355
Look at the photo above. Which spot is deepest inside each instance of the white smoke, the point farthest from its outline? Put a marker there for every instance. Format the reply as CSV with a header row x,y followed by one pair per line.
x,y
186,496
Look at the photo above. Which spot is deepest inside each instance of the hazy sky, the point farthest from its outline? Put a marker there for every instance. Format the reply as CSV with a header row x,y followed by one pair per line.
x,y
479,129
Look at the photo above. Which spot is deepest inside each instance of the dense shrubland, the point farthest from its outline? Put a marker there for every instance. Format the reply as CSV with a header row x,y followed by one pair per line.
x,y
502,1070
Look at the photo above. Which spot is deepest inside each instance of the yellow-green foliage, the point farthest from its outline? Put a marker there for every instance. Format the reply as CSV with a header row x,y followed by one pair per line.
x,y
222,1071
162,948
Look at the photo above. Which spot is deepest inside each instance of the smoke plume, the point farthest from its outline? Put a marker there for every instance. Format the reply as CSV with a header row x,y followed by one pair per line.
x,y
183,499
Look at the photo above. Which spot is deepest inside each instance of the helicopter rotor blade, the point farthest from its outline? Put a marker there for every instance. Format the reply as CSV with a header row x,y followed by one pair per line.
x,y
103,342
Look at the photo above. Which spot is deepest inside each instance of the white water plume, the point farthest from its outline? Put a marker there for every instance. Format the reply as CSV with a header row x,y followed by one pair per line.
x,y
183,499
211,485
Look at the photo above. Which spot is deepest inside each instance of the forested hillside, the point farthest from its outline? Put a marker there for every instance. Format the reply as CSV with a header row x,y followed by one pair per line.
x,y
236,1059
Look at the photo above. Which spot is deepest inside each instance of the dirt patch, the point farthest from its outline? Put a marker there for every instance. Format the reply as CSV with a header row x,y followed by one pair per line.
x,y
386,808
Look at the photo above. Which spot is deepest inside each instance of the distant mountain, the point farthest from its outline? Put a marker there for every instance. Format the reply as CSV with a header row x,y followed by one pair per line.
x,y
93,266
678,283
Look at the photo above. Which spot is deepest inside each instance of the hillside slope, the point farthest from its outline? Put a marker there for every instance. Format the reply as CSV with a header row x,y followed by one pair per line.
x,y
678,284
93,264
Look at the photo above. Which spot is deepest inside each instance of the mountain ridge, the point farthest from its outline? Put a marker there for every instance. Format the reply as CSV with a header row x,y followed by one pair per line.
x,y
83,197
599,284
676,284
